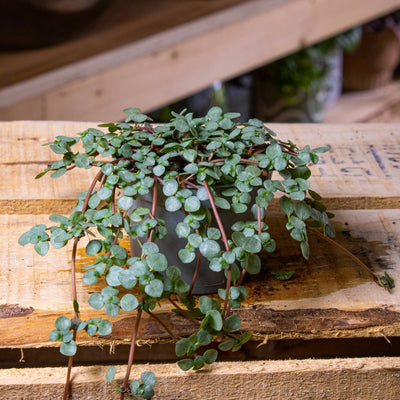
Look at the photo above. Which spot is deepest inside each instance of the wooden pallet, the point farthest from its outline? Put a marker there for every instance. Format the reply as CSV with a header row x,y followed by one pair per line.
x,y
155,52
329,296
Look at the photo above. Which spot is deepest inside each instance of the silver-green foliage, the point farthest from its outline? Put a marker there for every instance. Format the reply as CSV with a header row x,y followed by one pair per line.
x,y
187,159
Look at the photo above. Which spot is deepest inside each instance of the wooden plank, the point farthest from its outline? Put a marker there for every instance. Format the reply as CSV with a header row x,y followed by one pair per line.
x,y
328,297
122,22
329,293
360,171
364,106
172,67
338,379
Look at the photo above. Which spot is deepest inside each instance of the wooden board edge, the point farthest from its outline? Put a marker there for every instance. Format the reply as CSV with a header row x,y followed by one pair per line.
x,y
335,379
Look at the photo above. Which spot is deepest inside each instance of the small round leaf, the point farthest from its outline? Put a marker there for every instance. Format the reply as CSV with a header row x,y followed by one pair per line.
x,y
129,302
68,349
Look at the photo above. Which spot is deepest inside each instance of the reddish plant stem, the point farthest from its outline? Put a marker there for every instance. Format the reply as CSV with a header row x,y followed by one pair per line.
x,y
195,275
241,277
227,248
216,214
125,383
73,283
67,385
245,160
259,219
89,193
76,315
192,185
153,208
161,323
344,250
288,150
183,312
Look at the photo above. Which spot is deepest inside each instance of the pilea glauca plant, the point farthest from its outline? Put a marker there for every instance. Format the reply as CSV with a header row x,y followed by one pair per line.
x,y
200,167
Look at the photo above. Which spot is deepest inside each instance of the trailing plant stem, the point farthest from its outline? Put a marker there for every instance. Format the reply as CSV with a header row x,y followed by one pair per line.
x,y
125,384
225,311
344,250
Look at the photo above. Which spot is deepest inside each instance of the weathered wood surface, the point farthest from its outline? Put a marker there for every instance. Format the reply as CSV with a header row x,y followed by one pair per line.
x,y
179,49
378,105
330,296
337,379
361,170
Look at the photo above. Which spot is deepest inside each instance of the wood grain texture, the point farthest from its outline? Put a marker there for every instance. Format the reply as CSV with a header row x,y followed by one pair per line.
x,y
360,171
378,105
338,379
329,297
179,60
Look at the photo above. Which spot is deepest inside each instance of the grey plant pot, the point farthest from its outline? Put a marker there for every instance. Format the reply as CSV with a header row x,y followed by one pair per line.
x,y
207,280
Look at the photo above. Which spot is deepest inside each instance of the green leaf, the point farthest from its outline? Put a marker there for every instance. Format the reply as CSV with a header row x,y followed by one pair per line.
x,y
93,247
96,301
186,255
25,238
190,155
210,356
314,195
182,230
192,204
251,245
283,275
104,328
210,249
62,323
232,323
125,202
110,374
54,335
112,309
157,262
286,205
172,204
129,302
150,248
68,349
185,364
213,233
118,252
134,386
195,240
226,345
42,248
170,187
127,278
182,346
182,125
303,211
198,363
305,249
104,193
191,168
158,170
154,288
215,319
207,303
82,160
252,264
58,173
148,378
59,219
181,286
173,273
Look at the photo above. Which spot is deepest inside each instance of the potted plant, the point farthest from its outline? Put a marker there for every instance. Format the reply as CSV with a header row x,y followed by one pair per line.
x,y
374,61
298,88
201,168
